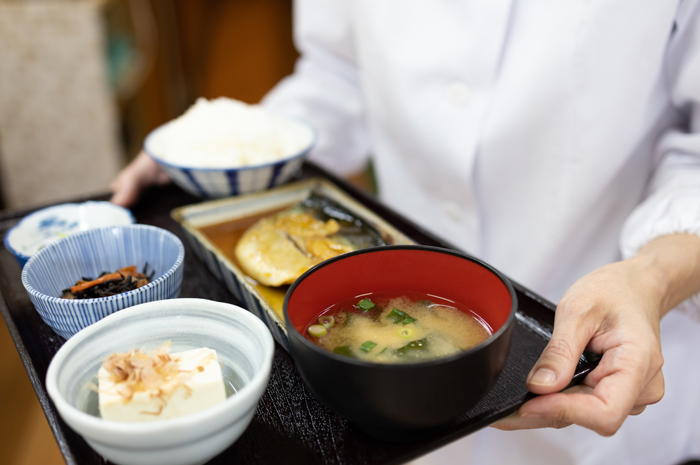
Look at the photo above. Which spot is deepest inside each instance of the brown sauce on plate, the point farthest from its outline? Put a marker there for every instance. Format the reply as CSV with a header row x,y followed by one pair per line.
x,y
226,235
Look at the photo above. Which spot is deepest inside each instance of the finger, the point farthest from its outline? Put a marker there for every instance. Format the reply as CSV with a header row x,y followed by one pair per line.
x,y
651,391
603,409
513,422
585,389
148,171
142,172
555,367
654,391
162,177
126,191
638,409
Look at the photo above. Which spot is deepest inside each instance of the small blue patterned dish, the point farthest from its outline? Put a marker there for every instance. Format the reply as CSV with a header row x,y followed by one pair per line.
x,y
226,182
49,224
63,262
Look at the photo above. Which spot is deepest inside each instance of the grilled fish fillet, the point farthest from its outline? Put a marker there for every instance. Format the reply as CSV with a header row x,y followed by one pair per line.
x,y
277,250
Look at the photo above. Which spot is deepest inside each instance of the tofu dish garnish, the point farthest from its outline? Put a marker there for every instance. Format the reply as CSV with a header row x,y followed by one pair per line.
x,y
137,386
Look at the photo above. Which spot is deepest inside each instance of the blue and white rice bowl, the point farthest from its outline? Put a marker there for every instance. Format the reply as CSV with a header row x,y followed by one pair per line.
x,y
60,264
44,226
210,182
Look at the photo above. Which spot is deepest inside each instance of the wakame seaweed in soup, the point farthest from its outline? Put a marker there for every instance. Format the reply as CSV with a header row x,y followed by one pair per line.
x,y
397,328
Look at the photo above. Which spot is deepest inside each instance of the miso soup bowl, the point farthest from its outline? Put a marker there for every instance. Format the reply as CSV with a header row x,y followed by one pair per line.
x,y
401,402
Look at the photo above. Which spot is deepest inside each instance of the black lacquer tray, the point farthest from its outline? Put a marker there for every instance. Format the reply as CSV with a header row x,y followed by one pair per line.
x,y
290,426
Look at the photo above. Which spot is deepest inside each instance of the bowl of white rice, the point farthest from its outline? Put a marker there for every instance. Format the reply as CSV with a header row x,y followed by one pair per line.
x,y
224,147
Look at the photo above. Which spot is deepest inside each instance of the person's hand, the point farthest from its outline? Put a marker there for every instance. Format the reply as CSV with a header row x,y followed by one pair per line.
x,y
139,174
614,311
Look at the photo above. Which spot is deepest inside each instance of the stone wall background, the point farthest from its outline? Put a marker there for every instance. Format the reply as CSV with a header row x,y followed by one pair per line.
x,y
58,122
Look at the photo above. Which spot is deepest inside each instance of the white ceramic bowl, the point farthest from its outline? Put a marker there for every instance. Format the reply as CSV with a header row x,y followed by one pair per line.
x,y
242,343
60,264
42,227
234,180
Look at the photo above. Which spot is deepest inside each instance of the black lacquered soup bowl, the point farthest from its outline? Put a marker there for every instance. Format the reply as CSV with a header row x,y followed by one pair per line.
x,y
401,402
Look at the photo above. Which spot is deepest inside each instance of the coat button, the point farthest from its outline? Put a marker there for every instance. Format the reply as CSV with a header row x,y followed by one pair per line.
x,y
458,93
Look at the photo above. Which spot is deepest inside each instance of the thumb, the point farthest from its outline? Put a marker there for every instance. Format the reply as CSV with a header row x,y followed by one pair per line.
x,y
125,194
557,364
125,189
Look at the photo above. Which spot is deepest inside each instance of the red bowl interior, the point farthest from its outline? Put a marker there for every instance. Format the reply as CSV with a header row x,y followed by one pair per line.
x,y
389,269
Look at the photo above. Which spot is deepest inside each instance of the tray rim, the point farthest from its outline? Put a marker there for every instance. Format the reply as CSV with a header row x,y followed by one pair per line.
x,y
73,447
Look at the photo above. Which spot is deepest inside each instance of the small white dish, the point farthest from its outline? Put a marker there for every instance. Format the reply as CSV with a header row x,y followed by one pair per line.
x,y
242,342
42,227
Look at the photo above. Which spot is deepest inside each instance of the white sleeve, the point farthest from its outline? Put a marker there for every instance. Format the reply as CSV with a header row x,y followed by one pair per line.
x,y
325,87
673,200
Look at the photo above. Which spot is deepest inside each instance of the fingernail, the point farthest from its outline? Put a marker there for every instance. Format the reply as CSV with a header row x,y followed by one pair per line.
x,y
530,415
543,377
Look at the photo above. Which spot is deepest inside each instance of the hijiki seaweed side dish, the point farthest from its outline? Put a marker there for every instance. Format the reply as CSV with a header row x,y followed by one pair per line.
x,y
108,284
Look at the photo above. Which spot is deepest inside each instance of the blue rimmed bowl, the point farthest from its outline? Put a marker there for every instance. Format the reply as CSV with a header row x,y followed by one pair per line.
x,y
44,226
234,180
63,262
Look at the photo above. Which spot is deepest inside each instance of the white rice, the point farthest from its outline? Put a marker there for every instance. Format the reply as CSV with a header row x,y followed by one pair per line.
x,y
226,133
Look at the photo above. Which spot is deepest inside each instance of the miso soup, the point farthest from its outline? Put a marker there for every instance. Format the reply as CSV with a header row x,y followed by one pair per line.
x,y
397,328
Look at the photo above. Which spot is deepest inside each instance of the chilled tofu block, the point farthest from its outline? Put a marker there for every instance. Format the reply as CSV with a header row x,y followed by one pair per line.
x,y
137,387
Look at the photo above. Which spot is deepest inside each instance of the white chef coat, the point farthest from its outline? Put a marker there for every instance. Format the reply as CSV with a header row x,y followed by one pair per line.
x,y
546,137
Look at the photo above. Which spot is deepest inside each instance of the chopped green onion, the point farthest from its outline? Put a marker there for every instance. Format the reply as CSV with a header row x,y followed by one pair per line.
x,y
318,330
327,320
365,305
367,346
383,350
343,350
397,316
420,344
405,332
